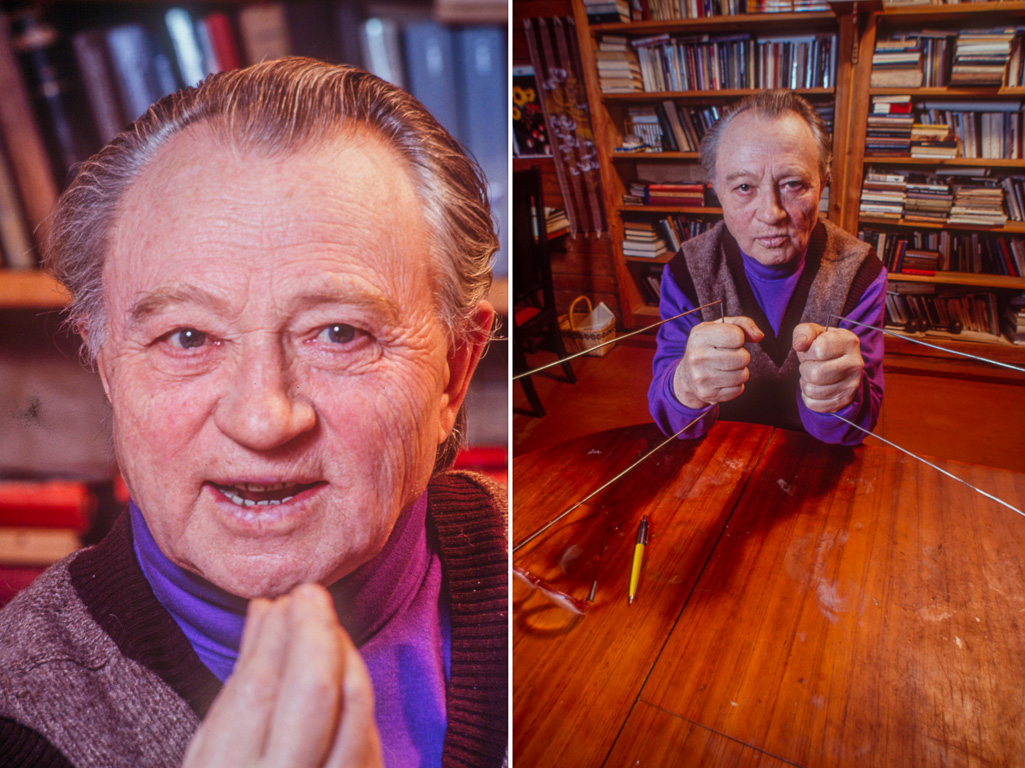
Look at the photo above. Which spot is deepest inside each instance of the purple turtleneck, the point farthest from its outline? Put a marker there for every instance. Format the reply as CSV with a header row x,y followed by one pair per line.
x,y
773,285
394,607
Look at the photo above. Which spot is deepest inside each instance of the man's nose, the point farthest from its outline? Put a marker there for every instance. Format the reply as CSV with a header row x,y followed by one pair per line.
x,y
262,409
769,207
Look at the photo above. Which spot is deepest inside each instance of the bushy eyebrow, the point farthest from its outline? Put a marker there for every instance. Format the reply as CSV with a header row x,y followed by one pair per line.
x,y
166,298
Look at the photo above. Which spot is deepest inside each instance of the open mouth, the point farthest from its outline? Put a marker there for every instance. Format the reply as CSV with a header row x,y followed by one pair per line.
x,y
262,495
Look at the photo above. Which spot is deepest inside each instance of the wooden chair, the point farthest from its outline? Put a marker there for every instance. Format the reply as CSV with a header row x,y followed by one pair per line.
x,y
535,318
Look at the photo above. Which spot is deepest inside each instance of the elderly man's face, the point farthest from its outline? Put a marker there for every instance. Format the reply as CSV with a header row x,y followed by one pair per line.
x,y
278,375
767,179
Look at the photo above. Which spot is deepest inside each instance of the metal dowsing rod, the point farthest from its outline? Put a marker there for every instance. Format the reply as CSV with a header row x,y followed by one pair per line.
x,y
595,492
927,344
618,338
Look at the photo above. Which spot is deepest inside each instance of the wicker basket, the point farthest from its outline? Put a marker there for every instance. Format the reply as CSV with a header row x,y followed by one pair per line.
x,y
583,333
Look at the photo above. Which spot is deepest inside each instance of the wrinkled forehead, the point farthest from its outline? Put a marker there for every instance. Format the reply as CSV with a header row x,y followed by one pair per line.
x,y
205,206
752,134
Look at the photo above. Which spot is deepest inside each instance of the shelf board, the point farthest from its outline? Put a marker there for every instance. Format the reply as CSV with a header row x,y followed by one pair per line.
x,y
970,162
655,156
1011,228
997,348
962,278
722,94
662,259
30,289
670,209
932,13
811,20
979,92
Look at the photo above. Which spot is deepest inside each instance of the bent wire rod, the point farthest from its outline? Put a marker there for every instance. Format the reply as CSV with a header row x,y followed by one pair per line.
x,y
926,344
618,338
595,492
929,464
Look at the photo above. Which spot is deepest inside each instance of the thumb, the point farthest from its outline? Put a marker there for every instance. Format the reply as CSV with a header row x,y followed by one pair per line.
x,y
751,331
805,335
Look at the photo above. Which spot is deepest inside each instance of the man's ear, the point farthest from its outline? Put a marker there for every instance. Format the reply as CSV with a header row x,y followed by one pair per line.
x,y
461,362
101,366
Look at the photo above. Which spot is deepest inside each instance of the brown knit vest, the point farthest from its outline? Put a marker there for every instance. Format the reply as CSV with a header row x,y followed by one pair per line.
x,y
837,270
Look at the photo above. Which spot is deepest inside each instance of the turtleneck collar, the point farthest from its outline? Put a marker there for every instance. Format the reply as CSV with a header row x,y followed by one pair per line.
x,y
766,272
366,600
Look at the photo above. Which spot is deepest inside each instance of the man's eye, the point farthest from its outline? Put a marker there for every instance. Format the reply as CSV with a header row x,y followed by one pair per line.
x,y
187,338
743,187
338,333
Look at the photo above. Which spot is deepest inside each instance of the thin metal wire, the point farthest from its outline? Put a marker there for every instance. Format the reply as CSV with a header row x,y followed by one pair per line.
x,y
926,344
618,338
594,493
929,464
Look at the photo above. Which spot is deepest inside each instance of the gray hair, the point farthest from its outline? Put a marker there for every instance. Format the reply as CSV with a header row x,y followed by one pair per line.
x,y
770,105
279,107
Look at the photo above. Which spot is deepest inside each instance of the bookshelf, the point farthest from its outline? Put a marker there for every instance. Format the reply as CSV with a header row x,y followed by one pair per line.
x,y
610,112
853,29
996,283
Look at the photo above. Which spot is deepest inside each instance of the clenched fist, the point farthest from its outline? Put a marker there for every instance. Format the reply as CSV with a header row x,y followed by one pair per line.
x,y
831,366
299,696
714,365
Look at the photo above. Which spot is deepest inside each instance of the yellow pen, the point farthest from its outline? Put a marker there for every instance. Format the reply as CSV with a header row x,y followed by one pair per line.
x,y
635,569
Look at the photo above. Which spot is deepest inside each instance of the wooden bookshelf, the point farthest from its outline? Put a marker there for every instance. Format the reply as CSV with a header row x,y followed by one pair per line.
x,y
608,111
951,19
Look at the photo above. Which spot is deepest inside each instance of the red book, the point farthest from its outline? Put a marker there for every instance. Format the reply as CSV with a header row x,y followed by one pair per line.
x,y
46,505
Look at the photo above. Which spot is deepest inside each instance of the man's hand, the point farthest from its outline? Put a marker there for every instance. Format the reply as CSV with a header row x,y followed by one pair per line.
x,y
714,366
299,695
831,366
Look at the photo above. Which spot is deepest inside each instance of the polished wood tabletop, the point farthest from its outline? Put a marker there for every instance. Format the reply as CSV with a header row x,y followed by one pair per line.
x,y
799,604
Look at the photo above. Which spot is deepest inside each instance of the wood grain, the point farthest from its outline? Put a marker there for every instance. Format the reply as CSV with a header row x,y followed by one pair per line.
x,y
801,604
861,609
574,677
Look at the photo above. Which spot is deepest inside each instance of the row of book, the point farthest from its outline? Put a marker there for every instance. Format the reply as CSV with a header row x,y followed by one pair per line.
x,y
666,10
947,128
649,239
923,307
976,200
928,252
669,126
1014,320
88,76
971,57
663,63
683,195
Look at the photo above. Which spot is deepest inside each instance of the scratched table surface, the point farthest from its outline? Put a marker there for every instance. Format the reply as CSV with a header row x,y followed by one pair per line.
x,y
800,604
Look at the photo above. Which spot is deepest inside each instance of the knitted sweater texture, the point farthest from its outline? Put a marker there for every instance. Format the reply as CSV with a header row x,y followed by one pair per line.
x,y
94,671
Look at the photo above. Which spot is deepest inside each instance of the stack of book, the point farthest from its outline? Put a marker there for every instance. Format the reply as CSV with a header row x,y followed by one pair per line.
x,y
785,6
607,11
643,240
882,195
927,201
888,133
918,262
556,222
618,68
933,141
978,203
981,57
1014,320
897,63
682,195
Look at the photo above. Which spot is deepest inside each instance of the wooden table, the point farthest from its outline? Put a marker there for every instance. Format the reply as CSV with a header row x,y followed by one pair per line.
x,y
799,604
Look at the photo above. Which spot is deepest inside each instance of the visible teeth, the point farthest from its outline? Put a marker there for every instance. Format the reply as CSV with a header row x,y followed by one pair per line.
x,y
236,499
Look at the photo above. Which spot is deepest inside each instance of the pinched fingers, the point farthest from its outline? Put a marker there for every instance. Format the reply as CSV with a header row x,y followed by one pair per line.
x,y
831,368
357,743
714,365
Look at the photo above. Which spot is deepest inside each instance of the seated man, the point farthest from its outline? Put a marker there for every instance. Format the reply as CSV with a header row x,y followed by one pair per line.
x,y
780,273
281,277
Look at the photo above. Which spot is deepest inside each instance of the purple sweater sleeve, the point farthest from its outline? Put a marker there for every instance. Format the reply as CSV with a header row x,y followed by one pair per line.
x,y
668,412
671,415
863,410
